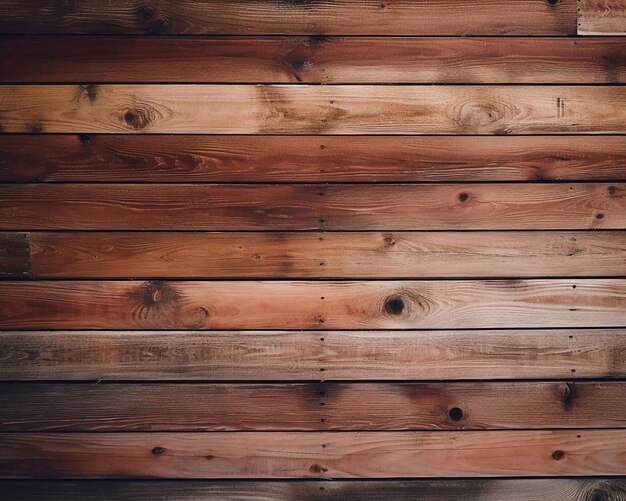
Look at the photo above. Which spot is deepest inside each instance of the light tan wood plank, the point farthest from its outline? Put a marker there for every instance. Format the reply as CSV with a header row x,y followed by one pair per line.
x,y
316,406
187,158
601,17
323,255
302,109
310,355
313,455
240,17
309,59
444,304
308,207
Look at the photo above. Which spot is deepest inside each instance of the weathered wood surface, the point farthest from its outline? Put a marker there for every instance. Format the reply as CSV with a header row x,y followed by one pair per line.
x,y
446,304
194,158
313,406
313,455
243,17
14,255
561,489
601,17
313,109
312,255
312,59
387,207
310,355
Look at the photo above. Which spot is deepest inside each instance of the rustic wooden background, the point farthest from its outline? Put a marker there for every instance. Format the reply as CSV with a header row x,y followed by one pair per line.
x,y
313,249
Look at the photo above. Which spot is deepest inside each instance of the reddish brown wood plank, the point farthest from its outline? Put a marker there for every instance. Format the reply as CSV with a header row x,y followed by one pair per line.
x,y
14,255
313,109
313,455
318,406
554,489
312,59
313,305
183,158
324,255
310,355
325,17
307,207
601,17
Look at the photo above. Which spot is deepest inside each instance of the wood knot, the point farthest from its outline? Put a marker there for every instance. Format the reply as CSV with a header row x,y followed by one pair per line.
x,y
136,119
317,40
612,190
154,23
389,241
553,2
558,455
87,92
84,139
455,414
157,451
599,215
394,305
463,197
316,468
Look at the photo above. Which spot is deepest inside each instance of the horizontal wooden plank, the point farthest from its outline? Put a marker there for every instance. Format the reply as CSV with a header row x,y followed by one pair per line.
x,y
14,255
601,17
312,59
554,489
310,355
241,17
442,304
308,207
319,254
317,406
313,455
186,158
313,109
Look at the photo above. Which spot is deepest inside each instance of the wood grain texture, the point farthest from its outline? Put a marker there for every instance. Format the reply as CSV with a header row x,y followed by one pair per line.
x,y
320,255
14,255
313,455
310,355
312,207
602,17
313,109
317,406
192,158
555,489
312,59
242,17
229,305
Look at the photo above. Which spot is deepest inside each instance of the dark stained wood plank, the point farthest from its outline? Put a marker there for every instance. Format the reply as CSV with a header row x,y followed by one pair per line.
x,y
241,17
315,109
313,455
602,17
554,489
308,207
14,255
445,304
312,59
310,355
325,255
317,406
183,158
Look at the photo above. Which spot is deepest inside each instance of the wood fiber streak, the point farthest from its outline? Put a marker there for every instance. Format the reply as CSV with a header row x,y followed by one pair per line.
x,y
318,17
317,109
602,17
313,455
313,60
321,255
317,406
313,305
561,489
182,158
310,355
310,207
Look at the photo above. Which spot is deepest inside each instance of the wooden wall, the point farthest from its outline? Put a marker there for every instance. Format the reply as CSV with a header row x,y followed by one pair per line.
x,y
308,250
